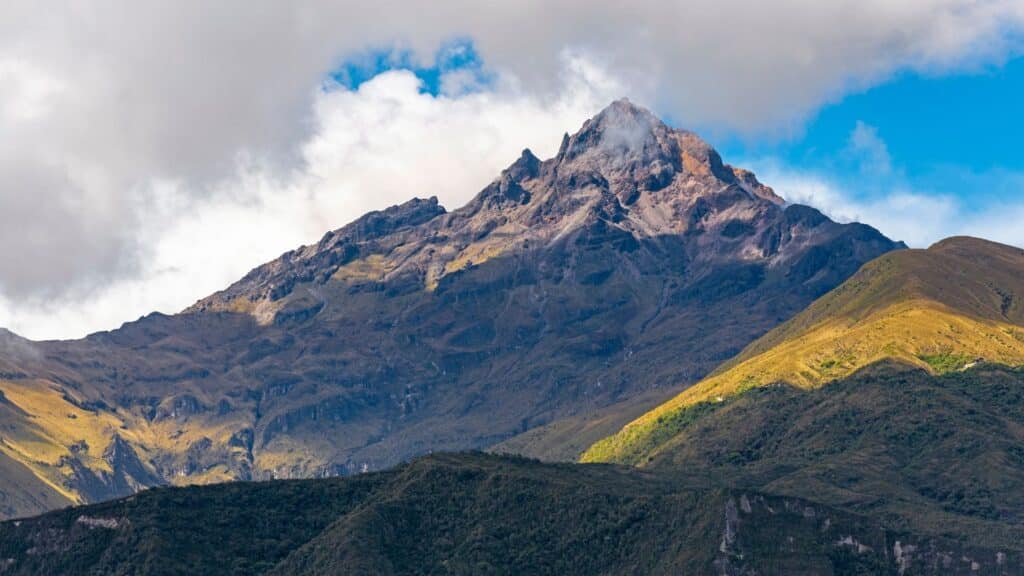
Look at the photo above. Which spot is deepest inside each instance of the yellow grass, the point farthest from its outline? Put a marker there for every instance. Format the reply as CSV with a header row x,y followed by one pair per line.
x,y
834,350
373,268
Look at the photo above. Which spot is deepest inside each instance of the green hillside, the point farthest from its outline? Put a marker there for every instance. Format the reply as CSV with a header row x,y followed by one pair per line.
x,y
476,514
898,395
938,455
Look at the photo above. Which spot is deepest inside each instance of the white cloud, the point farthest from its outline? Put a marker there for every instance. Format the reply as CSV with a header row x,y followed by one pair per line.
x,y
919,218
132,126
380,145
877,192
25,91
869,150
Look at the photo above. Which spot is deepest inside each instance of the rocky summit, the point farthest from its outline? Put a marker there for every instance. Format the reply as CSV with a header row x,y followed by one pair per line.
x,y
634,260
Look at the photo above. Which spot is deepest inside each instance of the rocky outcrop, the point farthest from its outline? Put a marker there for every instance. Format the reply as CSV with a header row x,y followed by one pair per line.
x,y
794,531
316,263
125,474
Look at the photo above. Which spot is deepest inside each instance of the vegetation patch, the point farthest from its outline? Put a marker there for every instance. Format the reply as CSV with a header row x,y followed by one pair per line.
x,y
638,446
946,361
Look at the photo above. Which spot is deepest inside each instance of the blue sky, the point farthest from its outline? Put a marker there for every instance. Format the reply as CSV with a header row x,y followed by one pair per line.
x,y
956,134
454,55
972,119
921,156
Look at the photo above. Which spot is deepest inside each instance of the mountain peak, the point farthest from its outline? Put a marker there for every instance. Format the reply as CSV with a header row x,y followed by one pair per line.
x,y
622,131
635,257
634,151
622,113
623,178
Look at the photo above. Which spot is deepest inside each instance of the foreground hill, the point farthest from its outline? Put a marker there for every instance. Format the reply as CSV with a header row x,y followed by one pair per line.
x,y
926,432
632,260
476,514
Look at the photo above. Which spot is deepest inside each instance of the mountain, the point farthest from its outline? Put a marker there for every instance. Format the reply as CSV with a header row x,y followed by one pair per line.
x,y
476,514
633,261
900,394
954,305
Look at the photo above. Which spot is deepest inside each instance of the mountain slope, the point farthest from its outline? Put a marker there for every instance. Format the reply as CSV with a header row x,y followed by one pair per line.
x,y
565,440
937,455
942,309
890,396
632,260
476,514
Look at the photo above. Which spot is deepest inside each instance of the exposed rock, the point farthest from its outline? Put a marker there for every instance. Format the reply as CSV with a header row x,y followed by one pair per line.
x,y
108,523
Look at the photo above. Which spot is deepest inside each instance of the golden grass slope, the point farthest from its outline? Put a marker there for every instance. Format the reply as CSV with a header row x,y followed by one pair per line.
x,y
959,302
49,439
48,431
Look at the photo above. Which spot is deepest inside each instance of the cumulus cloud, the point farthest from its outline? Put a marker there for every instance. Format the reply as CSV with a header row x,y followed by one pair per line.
x,y
154,150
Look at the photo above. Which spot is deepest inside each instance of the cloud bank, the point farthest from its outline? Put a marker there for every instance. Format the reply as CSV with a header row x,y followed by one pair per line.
x,y
154,151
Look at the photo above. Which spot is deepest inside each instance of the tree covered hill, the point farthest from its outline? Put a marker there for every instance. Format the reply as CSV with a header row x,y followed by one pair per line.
x,y
476,514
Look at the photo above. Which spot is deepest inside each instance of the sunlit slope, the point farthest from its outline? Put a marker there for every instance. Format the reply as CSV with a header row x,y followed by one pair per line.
x,y
66,449
44,428
942,309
